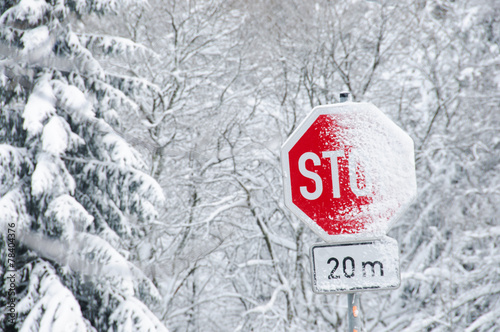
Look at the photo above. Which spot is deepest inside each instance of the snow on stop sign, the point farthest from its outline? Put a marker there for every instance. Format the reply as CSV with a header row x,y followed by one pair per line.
x,y
348,171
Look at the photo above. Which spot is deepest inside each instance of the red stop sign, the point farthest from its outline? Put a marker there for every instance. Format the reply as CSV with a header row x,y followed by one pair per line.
x,y
348,171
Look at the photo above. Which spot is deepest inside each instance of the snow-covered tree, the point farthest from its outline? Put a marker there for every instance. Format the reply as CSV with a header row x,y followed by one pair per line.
x,y
190,125
450,237
71,188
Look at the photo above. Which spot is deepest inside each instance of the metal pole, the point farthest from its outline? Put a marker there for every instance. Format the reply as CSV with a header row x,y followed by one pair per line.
x,y
353,311
344,96
353,299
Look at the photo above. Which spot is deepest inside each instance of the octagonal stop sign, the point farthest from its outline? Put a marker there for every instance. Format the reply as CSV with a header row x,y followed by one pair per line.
x,y
348,171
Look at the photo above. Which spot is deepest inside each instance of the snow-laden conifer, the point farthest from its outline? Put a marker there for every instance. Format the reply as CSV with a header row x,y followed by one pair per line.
x,y
72,189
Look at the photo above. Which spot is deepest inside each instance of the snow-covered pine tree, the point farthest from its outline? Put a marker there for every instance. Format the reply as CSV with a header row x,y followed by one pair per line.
x,y
72,193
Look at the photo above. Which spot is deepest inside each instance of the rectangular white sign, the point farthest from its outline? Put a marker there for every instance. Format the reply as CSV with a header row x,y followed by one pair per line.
x,y
354,267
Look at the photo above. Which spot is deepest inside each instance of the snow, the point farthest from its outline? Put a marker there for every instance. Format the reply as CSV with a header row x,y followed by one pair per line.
x,y
67,211
84,60
73,101
388,161
270,305
133,316
117,45
92,256
40,106
14,162
119,151
26,10
151,189
14,211
256,262
50,305
99,258
55,136
470,18
51,177
37,43
144,251
488,320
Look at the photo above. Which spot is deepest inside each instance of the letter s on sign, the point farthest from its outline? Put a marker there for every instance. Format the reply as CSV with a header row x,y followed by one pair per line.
x,y
310,175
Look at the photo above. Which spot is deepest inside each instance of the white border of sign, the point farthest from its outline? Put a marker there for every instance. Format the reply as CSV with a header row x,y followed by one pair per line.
x,y
347,107
380,253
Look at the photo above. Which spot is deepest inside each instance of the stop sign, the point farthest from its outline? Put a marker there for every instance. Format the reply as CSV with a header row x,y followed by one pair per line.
x,y
349,171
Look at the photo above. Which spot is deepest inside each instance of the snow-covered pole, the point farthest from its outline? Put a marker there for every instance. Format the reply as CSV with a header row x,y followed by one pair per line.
x,y
353,299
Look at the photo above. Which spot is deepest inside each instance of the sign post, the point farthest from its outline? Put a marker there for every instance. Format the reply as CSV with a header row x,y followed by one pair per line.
x,y
349,174
353,311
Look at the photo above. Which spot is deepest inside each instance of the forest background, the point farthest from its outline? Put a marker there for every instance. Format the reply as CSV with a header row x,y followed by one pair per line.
x,y
140,173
